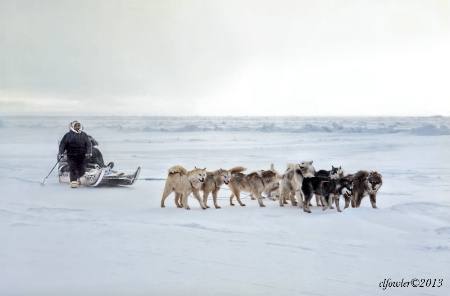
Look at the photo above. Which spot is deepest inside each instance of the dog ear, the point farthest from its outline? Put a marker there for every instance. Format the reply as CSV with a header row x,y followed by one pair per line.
x,y
205,168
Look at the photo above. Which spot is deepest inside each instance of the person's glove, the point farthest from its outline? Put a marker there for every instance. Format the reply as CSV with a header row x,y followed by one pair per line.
x,y
88,155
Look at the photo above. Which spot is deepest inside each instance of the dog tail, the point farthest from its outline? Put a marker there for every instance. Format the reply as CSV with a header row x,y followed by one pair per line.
x,y
272,168
237,169
177,169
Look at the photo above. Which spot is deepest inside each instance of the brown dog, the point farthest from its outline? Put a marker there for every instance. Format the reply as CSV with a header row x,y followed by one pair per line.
x,y
364,183
214,181
254,183
184,182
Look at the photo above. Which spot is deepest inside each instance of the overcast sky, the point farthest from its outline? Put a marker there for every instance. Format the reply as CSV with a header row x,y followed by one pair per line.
x,y
198,57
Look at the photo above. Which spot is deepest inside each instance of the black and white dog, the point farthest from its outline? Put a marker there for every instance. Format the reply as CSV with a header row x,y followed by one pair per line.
x,y
334,173
328,189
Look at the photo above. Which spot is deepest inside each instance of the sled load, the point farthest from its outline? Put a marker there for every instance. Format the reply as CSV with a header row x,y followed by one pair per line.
x,y
97,173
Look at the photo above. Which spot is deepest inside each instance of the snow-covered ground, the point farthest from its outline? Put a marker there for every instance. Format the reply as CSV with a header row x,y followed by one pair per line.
x,y
55,240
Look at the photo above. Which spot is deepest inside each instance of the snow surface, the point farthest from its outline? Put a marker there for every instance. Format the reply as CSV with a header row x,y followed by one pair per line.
x,y
55,240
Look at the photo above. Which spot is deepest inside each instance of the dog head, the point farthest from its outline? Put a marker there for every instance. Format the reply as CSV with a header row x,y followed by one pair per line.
x,y
225,176
375,180
200,174
336,172
307,169
347,187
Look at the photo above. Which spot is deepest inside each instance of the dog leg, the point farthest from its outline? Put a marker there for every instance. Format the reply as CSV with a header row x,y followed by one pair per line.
x,y
328,201
373,200
283,199
336,201
205,198
184,200
283,194
198,198
358,200
347,201
165,195
304,201
178,200
319,202
260,198
214,194
292,198
231,199
353,199
306,204
238,197
325,201
299,195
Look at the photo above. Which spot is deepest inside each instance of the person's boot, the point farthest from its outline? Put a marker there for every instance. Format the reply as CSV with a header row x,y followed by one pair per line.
x,y
74,184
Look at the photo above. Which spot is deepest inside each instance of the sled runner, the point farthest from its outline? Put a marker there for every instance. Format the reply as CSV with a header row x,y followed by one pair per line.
x,y
114,179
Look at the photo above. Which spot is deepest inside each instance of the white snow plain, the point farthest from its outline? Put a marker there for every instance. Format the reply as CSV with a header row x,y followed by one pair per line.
x,y
55,240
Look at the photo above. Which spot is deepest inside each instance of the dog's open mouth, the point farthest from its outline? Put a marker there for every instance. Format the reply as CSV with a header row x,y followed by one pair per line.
x,y
226,182
202,180
347,192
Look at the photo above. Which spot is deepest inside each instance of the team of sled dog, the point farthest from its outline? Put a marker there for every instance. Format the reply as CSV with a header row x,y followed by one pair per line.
x,y
298,184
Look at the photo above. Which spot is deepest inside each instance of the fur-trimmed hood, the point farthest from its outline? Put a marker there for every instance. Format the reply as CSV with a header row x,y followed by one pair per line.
x,y
72,127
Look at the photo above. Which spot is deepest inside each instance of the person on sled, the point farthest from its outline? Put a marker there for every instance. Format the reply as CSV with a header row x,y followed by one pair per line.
x,y
96,160
78,147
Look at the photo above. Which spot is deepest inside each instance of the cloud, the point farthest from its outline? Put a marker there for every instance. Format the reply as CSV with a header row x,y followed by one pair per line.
x,y
206,57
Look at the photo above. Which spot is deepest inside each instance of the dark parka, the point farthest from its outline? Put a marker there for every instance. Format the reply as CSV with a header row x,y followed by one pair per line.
x,y
78,146
75,143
